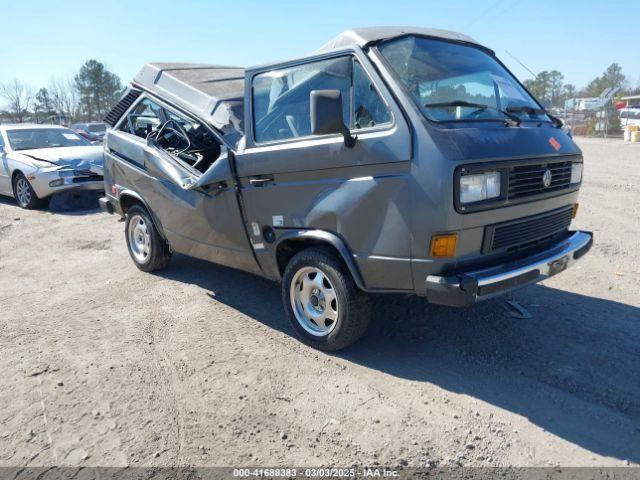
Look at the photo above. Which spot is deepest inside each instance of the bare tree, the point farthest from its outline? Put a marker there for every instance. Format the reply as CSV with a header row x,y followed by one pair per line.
x,y
19,97
64,97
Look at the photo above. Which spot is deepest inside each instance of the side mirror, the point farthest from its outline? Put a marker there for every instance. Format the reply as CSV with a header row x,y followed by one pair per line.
x,y
326,115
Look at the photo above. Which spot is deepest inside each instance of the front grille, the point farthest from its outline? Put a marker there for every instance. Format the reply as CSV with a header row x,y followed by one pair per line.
x,y
88,178
526,180
526,231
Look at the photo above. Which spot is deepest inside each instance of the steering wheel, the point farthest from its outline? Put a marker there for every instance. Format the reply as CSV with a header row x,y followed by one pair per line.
x,y
171,134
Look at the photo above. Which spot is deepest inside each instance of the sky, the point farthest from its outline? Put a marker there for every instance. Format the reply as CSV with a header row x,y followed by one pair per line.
x,y
44,39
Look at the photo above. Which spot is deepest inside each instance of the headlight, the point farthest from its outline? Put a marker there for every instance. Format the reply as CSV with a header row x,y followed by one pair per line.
x,y
475,188
576,173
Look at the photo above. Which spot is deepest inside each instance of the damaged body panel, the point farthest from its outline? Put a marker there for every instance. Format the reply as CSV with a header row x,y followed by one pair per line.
x,y
359,193
392,160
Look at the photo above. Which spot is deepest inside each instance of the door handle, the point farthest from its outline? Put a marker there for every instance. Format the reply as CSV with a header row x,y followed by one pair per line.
x,y
260,181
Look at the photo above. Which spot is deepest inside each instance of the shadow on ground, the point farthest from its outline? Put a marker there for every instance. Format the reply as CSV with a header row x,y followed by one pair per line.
x,y
577,354
66,203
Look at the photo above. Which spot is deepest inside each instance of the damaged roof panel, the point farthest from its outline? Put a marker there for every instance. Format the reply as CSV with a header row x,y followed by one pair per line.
x,y
210,91
217,82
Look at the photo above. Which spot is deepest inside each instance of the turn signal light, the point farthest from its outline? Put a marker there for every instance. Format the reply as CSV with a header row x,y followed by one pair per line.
x,y
575,210
444,246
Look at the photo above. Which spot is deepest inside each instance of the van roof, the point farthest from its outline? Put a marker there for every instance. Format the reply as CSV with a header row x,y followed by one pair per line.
x,y
216,92
199,84
365,36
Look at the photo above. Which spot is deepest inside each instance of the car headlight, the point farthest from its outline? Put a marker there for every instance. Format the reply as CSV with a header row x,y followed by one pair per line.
x,y
478,187
576,172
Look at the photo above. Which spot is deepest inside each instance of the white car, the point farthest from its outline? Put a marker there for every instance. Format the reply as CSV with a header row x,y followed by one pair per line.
x,y
37,161
629,116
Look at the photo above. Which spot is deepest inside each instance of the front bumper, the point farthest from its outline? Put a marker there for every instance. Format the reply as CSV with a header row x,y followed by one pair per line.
x,y
466,288
110,205
50,181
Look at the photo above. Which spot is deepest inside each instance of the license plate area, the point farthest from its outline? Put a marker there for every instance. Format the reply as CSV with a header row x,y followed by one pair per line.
x,y
558,265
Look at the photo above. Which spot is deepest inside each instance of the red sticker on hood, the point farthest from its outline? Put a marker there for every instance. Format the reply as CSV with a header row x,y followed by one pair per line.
x,y
555,143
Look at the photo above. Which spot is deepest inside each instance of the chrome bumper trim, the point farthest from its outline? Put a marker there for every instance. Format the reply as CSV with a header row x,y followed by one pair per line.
x,y
466,288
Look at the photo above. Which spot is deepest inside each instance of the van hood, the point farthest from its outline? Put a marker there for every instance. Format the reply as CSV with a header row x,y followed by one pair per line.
x,y
495,142
78,158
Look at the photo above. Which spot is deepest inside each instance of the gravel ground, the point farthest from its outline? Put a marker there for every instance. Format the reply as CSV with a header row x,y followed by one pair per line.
x,y
103,365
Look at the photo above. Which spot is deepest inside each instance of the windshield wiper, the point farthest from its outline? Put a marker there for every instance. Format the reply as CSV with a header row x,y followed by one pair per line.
x,y
556,121
479,106
526,109
537,111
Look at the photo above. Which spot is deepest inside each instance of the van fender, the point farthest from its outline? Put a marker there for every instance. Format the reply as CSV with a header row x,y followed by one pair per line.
x,y
320,237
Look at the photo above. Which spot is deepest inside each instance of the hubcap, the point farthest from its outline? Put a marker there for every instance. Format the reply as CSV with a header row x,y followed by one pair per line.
x,y
314,301
139,239
23,192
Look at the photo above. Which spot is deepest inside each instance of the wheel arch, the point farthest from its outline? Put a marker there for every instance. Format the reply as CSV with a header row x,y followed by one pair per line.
x,y
292,242
12,185
14,174
129,198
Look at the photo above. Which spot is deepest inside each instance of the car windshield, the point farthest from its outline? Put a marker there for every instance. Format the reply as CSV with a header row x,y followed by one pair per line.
x,y
97,128
33,138
454,82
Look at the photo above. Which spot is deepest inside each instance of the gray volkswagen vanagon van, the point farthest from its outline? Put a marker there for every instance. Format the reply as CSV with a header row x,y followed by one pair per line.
x,y
399,160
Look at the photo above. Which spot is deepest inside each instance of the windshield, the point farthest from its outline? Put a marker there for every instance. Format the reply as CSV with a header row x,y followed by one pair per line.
x,y
33,138
97,127
455,82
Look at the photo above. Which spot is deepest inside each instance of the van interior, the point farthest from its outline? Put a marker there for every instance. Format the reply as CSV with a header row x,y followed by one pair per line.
x,y
188,141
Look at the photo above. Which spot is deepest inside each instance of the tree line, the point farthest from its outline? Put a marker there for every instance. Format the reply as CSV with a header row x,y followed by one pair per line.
x,y
549,87
86,96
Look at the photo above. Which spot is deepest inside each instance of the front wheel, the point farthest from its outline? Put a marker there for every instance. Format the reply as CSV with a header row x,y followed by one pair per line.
x,y
148,250
24,193
323,304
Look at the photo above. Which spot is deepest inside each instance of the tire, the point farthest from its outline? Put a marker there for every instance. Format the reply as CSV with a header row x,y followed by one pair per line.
x,y
148,250
338,315
24,193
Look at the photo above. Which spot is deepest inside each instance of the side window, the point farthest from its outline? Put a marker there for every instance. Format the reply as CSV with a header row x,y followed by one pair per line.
x,y
281,97
368,108
143,119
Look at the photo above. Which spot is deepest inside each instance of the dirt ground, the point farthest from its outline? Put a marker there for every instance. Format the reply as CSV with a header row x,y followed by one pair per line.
x,y
103,365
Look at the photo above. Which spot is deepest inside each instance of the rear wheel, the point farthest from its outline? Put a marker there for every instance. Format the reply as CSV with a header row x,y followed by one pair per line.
x,y
24,193
148,250
324,306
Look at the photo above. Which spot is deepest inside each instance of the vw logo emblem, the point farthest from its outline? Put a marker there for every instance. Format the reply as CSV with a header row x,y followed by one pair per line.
x,y
546,178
